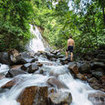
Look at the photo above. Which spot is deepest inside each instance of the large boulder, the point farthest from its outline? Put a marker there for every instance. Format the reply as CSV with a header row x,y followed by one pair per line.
x,y
22,58
32,68
13,73
84,67
73,67
26,66
60,98
9,84
56,83
33,96
4,58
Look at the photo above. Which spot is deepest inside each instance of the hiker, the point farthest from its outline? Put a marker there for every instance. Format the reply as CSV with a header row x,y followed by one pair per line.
x,y
70,47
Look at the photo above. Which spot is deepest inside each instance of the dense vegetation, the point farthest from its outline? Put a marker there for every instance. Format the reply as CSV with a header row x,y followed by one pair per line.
x,y
83,19
14,23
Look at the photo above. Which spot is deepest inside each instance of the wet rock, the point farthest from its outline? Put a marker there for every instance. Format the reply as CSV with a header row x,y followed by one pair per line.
x,y
16,67
34,96
64,61
99,60
61,56
94,83
97,74
97,65
103,80
58,71
56,83
13,54
97,98
73,67
41,72
101,56
9,84
81,76
60,98
22,58
39,64
26,66
53,59
4,58
55,52
49,56
92,80
84,68
12,73
96,86
33,68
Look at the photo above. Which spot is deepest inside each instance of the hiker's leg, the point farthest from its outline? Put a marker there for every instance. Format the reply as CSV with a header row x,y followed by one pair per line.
x,y
66,54
71,57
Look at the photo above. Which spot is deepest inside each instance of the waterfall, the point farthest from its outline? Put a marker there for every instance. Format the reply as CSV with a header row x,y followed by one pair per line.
x,y
35,44
78,89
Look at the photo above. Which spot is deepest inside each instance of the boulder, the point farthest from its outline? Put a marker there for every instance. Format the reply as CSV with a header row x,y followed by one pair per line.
x,y
73,67
60,98
97,98
81,76
95,65
49,56
22,58
9,84
33,96
97,73
56,83
16,67
84,67
39,64
4,58
94,83
12,73
93,80
26,66
32,68
55,52
64,61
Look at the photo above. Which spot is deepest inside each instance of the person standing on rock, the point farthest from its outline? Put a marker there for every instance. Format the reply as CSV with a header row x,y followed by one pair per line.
x,y
70,47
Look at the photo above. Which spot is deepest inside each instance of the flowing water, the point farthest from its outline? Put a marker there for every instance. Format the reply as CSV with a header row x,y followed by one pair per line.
x,y
78,89
36,44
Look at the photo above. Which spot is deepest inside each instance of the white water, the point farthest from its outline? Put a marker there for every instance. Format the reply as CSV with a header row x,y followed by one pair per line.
x,y
77,88
9,97
36,44
3,68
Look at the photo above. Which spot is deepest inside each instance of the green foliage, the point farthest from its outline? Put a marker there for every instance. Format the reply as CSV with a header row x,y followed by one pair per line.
x,y
84,23
15,16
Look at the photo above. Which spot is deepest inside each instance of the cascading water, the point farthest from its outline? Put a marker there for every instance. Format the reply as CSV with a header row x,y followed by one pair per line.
x,y
36,44
77,88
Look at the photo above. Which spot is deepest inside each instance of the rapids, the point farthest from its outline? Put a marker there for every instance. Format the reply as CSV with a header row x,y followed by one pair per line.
x,y
78,89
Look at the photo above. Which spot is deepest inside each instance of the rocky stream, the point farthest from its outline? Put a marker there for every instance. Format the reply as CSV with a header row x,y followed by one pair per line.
x,y
47,78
